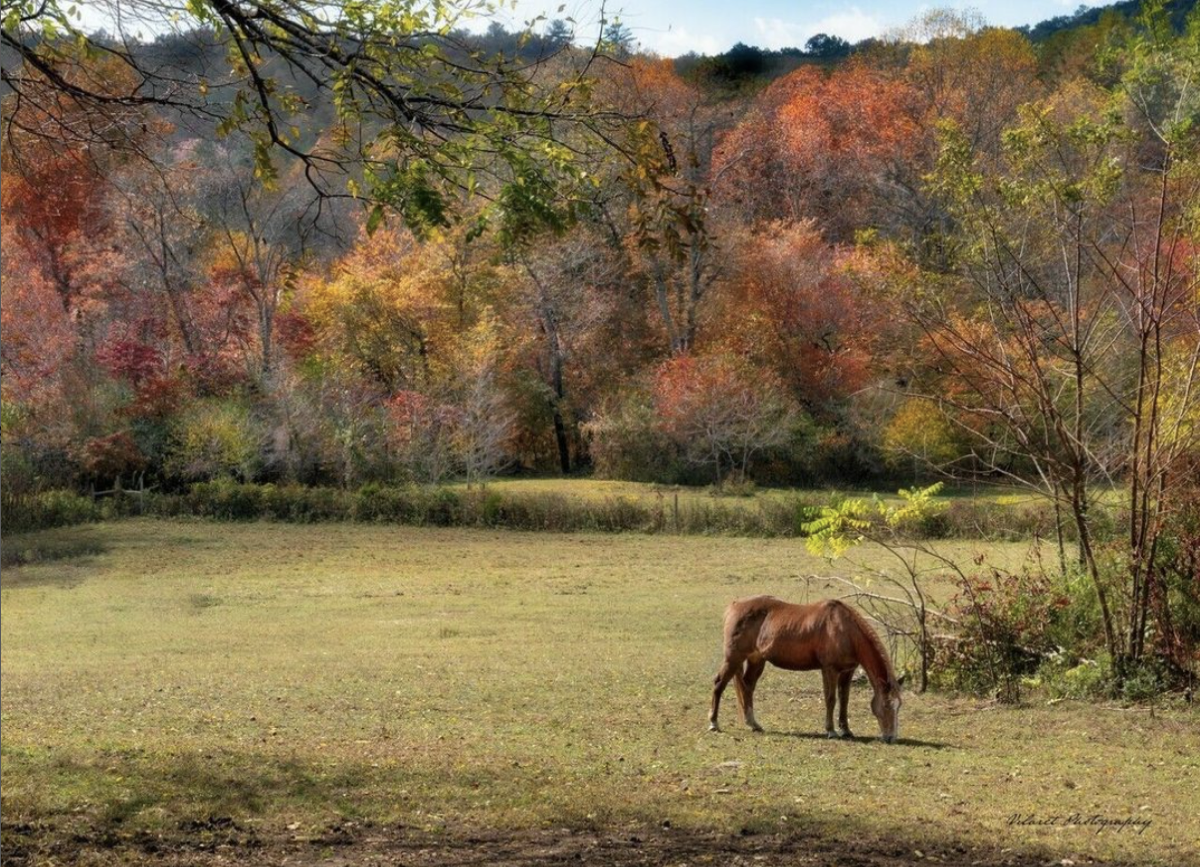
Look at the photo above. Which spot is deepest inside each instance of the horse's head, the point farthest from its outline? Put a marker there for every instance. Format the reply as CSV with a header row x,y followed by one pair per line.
x,y
885,704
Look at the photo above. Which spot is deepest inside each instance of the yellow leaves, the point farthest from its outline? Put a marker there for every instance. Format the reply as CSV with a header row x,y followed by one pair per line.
x,y
920,431
403,311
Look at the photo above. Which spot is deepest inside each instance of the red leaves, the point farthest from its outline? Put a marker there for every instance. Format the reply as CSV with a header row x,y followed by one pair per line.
x,y
36,335
131,360
158,398
112,456
55,205
789,308
295,333
416,416
721,411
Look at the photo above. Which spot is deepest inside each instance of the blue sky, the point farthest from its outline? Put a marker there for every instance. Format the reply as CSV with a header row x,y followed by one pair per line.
x,y
673,27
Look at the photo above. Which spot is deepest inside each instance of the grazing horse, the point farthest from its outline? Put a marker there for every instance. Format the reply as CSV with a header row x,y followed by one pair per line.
x,y
828,635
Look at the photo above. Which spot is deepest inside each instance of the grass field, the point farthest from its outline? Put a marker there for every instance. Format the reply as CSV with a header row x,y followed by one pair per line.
x,y
599,489
192,691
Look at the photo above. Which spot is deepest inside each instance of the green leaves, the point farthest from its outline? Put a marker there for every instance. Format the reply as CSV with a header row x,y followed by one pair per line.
x,y
375,219
421,121
412,188
838,528
843,526
918,503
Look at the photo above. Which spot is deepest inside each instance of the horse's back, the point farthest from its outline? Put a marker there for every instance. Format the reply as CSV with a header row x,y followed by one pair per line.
x,y
785,634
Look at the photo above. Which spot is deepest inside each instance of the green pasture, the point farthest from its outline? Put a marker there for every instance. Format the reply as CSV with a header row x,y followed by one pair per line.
x,y
291,678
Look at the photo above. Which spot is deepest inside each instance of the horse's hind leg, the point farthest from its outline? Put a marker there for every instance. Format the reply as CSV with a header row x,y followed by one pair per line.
x,y
746,683
727,671
843,685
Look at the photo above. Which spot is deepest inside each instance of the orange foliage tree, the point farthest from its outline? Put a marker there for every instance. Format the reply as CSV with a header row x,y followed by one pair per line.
x,y
721,412
789,307
844,147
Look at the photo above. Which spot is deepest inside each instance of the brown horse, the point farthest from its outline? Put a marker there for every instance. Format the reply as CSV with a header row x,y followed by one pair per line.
x,y
828,635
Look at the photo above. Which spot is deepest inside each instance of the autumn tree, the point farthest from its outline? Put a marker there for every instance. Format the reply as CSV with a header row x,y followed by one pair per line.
x,y
421,431
486,421
260,237
786,304
383,309
841,148
672,241
1069,345
721,412
968,72
160,224
36,334
560,295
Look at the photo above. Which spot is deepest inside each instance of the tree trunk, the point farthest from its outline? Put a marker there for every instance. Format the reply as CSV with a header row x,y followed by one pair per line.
x,y
1088,559
662,294
183,319
266,327
560,437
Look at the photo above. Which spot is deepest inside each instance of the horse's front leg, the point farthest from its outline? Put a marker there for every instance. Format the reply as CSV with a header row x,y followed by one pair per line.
x,y
829,676
843,685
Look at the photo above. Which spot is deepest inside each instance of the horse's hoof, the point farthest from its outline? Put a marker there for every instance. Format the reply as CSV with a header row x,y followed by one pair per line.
x,y
832,735
713,727
755,727
846,733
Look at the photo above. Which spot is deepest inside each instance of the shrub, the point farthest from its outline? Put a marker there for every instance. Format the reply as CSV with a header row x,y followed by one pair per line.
x,y
1063,675
721,412
1005,627
921,437
1178,603
422,432
17,471
736,488
212,439
1145,680
305,505
112,457
440,507
227,500
626,443
22,512
379,504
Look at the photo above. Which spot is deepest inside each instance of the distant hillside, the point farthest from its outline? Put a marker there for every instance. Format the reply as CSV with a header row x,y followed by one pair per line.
x,y
745,64
1086,16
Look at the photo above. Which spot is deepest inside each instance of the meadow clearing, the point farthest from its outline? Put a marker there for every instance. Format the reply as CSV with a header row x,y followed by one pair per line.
x,y
201,692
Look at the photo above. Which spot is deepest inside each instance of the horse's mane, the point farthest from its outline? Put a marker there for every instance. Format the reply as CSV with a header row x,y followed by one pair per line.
x,y
873,638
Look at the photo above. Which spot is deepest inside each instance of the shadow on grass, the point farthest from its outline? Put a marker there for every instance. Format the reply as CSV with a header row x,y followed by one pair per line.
x,y
245,808
76,546
862,739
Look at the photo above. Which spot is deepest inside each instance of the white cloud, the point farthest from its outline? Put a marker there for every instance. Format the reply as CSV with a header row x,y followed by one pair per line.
x,y
678,40
853,25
